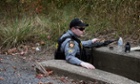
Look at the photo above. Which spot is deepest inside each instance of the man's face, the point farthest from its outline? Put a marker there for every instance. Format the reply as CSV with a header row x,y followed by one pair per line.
x,y
79,31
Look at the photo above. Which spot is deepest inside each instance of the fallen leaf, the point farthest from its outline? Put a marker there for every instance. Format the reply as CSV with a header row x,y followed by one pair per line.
x,y
14,67
33,48
1,59
42,42
39,76
1,78
82,82
11,51
48,83
50,72
1,69
22,53
63,79
40,82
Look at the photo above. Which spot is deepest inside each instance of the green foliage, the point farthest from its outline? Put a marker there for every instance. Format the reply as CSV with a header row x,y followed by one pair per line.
x,y
15,32
34,20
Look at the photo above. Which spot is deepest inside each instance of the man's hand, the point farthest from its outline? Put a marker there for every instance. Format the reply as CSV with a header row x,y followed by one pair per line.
x,y
87,65
95,40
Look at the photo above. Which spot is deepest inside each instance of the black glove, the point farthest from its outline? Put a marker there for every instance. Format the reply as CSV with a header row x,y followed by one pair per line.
x,y
107,42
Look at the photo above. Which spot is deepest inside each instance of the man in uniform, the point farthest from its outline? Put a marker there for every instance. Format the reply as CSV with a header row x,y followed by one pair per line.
x,y
71,49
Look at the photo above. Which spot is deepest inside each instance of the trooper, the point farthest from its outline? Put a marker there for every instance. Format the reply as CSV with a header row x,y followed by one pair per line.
x,y
71,49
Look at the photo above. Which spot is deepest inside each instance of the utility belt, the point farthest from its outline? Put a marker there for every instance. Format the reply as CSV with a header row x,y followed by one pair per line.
x,y
86,54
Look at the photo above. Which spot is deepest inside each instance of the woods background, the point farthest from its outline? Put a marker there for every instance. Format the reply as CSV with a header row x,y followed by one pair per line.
x,y
24,21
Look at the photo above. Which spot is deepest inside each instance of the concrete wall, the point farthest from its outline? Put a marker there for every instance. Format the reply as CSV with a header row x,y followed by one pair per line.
x,y
124,64
62,68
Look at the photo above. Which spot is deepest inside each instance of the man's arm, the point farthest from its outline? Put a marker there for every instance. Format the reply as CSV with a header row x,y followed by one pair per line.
x,y
96,43
70,53
87,43
92,43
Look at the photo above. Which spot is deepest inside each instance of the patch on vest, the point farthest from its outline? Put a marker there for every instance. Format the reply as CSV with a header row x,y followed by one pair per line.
x,y
71,44
70,51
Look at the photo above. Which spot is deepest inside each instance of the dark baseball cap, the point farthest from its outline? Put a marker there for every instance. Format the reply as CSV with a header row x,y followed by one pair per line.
x,y
77,22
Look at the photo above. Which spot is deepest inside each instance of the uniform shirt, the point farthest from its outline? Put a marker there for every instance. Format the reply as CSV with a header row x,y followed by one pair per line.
x,y
70,52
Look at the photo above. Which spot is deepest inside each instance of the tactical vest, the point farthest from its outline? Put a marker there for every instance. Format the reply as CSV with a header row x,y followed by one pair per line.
x,y
61,55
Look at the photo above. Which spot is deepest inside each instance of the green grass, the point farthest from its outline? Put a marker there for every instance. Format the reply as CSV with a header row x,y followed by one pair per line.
x,y
104,17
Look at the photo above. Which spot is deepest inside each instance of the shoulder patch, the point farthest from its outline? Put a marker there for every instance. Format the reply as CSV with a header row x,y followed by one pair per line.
x,y
71,44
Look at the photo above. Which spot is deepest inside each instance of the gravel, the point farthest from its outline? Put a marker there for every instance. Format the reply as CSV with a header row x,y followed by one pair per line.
x,y
20,70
